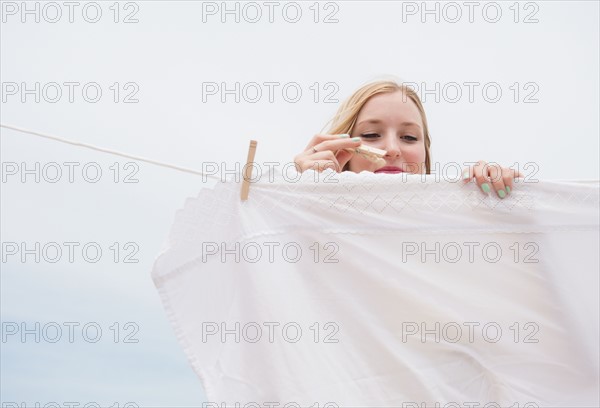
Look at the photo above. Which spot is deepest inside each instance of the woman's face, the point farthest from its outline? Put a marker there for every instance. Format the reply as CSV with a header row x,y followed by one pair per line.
x,y
392,122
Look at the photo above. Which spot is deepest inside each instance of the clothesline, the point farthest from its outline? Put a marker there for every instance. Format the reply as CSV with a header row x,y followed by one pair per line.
x,y
108,151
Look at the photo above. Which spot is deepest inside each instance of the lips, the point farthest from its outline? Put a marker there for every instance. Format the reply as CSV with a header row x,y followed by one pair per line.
x,y
390,170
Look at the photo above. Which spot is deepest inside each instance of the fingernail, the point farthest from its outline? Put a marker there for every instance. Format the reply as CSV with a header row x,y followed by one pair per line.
x,y
356,139
501,193
485,187
344,136
466,176
507,189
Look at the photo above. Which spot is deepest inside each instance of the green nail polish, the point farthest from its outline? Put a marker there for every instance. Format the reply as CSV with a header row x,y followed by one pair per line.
x,y
356,139
485,187
344,136
507,189
466,176
501,193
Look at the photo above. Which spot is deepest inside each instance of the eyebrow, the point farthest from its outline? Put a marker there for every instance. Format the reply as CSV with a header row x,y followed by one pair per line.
x,y
376,121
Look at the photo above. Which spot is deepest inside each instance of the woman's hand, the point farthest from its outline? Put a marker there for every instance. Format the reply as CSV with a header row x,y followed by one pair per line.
x,y
326,151
501,178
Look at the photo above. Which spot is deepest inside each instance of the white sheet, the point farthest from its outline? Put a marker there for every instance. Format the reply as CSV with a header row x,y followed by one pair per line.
x,y
541,292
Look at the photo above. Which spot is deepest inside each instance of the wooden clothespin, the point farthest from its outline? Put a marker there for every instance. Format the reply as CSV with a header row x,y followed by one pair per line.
x,y
370,153
248,170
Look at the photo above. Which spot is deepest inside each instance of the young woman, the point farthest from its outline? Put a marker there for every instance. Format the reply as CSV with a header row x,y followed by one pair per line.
x,y
389,116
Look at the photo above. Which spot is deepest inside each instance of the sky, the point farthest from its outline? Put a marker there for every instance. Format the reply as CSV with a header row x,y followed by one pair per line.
x,y
190,83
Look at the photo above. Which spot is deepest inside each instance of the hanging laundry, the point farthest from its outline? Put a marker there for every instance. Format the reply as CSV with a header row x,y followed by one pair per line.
x,y
379,290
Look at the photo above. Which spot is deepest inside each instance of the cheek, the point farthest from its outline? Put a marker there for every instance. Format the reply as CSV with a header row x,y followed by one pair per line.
x,y
414,153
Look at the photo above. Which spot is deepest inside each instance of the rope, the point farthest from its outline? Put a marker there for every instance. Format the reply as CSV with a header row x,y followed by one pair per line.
x,y
108,151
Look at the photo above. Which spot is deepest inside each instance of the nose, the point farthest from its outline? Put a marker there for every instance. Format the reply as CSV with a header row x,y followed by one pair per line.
x,y
392,146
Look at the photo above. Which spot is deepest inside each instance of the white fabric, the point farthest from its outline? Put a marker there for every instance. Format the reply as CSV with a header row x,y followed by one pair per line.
x,y
380,291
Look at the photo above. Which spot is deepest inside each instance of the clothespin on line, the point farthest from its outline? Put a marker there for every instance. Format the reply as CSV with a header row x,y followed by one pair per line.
x,y
248,170
370,153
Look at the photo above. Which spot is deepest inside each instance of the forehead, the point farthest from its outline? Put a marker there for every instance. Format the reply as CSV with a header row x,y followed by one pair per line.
x,y
394,107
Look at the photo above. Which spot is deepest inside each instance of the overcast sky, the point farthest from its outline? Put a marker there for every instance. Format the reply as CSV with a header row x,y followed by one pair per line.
x,y
515,83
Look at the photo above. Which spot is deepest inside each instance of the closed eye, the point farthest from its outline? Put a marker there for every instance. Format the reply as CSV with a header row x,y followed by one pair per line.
x,y
375,135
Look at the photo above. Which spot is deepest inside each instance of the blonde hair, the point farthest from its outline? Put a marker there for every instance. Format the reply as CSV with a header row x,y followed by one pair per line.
x,y
345,118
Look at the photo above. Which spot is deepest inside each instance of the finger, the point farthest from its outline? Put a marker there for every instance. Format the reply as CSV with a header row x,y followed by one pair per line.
x,y
335,145
481,176
507,177
495,173
467,174
322,155
343,157
326,156
304,162
319,138
321,165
